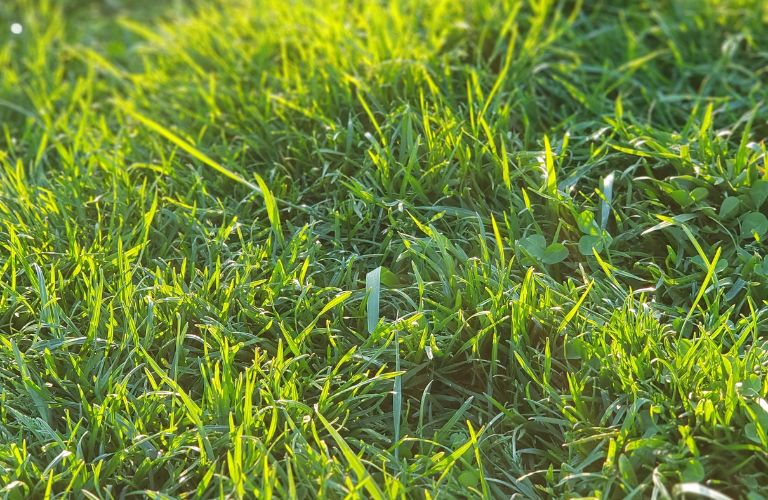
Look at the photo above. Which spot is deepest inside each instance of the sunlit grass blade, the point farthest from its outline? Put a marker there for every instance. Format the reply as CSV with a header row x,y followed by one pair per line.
x,y
353,460
185,146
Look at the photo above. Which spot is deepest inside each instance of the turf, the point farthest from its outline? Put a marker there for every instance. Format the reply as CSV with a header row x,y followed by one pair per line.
x,y
383,249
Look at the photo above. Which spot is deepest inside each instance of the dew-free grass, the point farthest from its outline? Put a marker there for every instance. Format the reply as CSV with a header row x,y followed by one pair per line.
x,y
403,249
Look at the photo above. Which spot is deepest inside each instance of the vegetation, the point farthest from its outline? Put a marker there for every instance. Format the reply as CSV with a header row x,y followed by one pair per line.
x,y
383,249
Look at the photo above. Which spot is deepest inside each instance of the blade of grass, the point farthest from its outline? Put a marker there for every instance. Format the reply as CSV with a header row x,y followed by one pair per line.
x,y
127,108
353,460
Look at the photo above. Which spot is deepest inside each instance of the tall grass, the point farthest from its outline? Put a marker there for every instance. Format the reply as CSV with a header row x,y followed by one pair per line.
x,y
403,249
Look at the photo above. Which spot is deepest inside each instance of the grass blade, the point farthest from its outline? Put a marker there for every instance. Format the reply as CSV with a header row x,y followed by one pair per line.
x,y
184,145
353,460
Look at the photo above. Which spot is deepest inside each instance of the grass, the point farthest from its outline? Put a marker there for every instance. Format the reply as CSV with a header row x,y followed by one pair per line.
x,y
353,249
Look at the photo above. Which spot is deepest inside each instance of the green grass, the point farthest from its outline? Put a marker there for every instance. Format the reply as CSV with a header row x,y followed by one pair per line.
x,y
384,249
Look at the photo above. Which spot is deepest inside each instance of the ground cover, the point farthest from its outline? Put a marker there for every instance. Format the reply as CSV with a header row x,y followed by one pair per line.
x,y
255,248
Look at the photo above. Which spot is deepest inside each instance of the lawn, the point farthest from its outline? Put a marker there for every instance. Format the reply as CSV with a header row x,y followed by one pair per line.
x,y
383,249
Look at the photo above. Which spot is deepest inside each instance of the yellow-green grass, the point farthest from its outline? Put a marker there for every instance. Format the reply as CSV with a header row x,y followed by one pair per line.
x,y
383,249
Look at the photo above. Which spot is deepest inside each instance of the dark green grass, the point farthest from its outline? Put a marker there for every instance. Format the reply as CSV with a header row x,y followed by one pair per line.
x,y
224,225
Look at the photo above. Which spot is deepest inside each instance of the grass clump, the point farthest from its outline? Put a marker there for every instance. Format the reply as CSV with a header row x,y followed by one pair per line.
x,y
252,248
